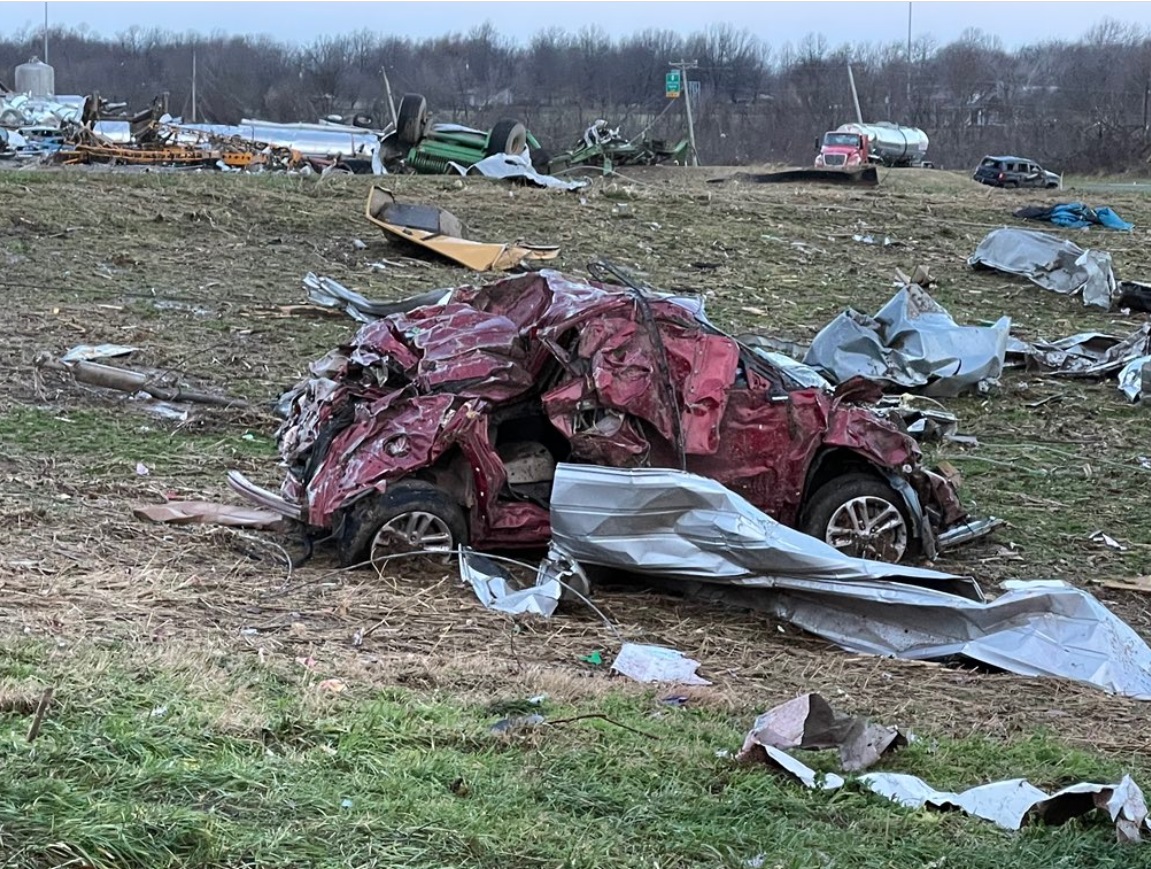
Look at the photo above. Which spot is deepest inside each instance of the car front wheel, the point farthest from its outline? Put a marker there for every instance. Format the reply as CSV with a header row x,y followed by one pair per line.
x,y
861,516
411,516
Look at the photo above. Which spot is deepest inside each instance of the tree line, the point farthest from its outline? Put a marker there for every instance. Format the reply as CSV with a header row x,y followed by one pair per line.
x,y
1076,106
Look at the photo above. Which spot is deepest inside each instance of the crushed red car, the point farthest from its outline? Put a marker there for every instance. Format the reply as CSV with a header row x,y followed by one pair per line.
x,y
443,425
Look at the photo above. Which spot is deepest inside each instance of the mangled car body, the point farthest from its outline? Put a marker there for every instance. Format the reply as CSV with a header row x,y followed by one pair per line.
x,y
443,425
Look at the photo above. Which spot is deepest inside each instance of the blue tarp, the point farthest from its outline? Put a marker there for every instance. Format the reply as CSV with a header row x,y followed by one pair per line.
x,y
1076,215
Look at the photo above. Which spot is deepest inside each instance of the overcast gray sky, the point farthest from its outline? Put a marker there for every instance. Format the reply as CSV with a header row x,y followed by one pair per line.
x,y
1015,23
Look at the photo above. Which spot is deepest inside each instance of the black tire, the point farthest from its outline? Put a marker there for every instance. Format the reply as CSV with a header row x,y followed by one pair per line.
x,y
507,137
411,120
823,504
1010,185
364,519
542,161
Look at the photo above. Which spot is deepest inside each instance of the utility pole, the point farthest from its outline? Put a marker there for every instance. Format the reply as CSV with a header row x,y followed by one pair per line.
x,y
193,84
683,66
1146,99
854,94
45,31
909,58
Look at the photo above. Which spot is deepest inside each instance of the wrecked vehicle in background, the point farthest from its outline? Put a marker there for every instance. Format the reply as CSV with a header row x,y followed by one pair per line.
x,y
1011,172
416,145
604,147
443,425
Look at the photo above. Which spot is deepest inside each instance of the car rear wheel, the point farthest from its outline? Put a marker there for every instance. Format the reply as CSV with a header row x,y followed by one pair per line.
x,y
1010,185
411,516
507,137
861,516
411,120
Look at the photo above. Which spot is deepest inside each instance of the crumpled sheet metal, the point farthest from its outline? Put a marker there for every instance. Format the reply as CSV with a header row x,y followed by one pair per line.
x,y
679,526
1051,262
557,577
1087,354
90,353
1135,378
24,110
912,343
329,293
493,587
207,513
1013,803
517,167
312,140
809,722
1032,630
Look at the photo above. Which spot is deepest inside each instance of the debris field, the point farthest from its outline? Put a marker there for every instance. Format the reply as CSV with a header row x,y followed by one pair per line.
x,y
202,274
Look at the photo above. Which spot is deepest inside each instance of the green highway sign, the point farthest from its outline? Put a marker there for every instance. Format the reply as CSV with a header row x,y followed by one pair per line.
x,y
673,84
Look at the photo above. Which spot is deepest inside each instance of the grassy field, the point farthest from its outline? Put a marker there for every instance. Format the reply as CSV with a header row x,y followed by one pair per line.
x,y
214,708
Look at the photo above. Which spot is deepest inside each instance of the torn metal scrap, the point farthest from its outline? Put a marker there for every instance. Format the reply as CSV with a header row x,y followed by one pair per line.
x,y
207,513
1135,378
667,523
440,231
517,167
557,578
675,525
90,353
332,294
809,722
1050,262
924,418
1087,354
912,343
1013,803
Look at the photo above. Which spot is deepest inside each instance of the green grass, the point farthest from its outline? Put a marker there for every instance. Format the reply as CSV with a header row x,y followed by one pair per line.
x,y
142,767
104,443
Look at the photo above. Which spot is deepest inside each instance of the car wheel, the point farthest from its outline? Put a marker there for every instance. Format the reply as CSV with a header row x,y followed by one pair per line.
x,y
541,161
507,137
1010,185
411,119
409,517
861,516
